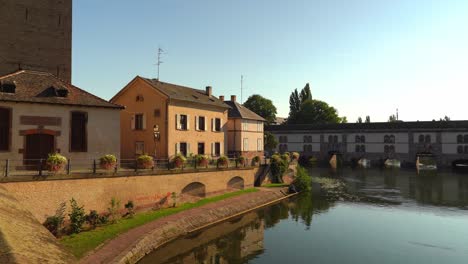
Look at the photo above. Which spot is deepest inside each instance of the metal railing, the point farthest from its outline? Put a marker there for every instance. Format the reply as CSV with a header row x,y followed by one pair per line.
x,y
90,167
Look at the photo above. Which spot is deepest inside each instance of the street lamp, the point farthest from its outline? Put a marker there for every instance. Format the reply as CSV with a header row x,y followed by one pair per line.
x,y
156,137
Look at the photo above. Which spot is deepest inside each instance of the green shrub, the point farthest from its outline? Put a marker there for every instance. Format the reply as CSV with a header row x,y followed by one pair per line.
x,y
55,223
278,167
295,156
108,162
56,162
92,218
286,157
222,161
114,210
77,217
178,161
130,208
313,161
145,162
256,160
302,180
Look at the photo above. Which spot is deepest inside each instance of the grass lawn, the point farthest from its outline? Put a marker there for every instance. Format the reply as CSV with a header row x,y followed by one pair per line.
x,y
275,185
80,244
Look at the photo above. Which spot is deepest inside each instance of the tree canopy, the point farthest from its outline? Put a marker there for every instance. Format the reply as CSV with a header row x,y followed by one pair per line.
x,y
262,107
317,112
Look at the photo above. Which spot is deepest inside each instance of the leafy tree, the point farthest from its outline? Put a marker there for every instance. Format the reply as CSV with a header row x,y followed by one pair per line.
x,y
294,106
262,107
344,120
296,100
367,119
306,94
317,112
359,120
446,118
270,141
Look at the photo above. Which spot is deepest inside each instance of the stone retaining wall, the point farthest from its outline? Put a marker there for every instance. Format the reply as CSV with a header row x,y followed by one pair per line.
x,y
42,198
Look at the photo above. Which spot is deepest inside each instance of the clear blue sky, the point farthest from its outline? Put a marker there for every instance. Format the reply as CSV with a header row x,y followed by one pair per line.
x,y
364,57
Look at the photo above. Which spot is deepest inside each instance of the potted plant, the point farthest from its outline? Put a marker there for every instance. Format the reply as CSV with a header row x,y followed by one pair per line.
x,y
286,157
108,162
256,160
222,161
56,162
241,160
145,162
178,161
201,160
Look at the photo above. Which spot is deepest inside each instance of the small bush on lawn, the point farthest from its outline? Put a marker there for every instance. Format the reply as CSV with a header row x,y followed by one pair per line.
x,y
92,218
113,209
130,206
302,180
77,217
108,162
55,223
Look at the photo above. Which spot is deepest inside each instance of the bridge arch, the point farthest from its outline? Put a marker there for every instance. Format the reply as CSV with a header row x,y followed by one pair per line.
x,y
236,183
196,189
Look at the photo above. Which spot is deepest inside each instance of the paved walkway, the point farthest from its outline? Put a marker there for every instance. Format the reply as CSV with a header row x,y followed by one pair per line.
x,y
134,244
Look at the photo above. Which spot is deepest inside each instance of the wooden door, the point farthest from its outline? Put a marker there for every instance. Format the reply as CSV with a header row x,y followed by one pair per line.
x,y
38,146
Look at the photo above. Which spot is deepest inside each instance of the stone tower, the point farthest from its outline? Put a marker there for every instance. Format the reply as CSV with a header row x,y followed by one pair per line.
x,y
36,35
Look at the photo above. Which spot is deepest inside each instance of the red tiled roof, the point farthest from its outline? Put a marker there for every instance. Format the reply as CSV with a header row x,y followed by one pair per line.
x,y
43,88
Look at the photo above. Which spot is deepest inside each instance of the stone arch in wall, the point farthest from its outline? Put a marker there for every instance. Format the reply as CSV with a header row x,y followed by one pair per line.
x,y
236,183
196,189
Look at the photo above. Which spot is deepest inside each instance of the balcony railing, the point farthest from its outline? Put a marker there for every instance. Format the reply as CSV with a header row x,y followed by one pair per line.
x,y
11,168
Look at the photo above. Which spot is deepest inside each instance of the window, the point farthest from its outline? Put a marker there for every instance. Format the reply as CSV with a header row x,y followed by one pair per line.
x,y
246,144
386,139
182,122
200,123
460,149
217,125
427,139
157,113
5,129
201,148
363,139
139,122
245,125
259,144
330,139
183,149
392,139
460,139
139,148
465,139
421,139
259,126
217,149
78,132
335,139
358,139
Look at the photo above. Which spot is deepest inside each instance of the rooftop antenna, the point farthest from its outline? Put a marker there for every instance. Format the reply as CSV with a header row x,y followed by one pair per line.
x,y
160,52
242,88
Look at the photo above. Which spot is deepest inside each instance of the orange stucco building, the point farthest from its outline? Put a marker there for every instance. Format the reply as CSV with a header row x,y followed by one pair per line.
x,y
244,131
163,119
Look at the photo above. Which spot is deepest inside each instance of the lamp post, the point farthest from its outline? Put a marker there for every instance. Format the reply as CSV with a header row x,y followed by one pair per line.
x,y
156,137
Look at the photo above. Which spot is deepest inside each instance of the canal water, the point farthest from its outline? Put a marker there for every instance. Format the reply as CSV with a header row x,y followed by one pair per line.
x,y
415,219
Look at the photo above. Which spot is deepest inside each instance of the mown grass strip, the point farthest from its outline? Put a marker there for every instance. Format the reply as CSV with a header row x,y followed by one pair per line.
x,y
80,244
275,185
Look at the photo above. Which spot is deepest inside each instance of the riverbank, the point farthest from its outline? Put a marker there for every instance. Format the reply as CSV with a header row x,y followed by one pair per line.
x,y
131,246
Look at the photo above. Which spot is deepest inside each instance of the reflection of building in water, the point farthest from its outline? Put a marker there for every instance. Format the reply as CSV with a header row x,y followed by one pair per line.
x,y
239,239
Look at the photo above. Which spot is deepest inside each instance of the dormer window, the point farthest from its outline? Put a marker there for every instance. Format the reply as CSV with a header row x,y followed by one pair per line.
x,y
62,92
7,87
55,92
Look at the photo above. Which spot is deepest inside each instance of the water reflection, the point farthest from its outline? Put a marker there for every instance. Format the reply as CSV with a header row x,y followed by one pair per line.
x,y
244,239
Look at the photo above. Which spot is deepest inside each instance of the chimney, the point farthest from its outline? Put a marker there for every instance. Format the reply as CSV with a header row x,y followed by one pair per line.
x,y
209,90
233,98
221,97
